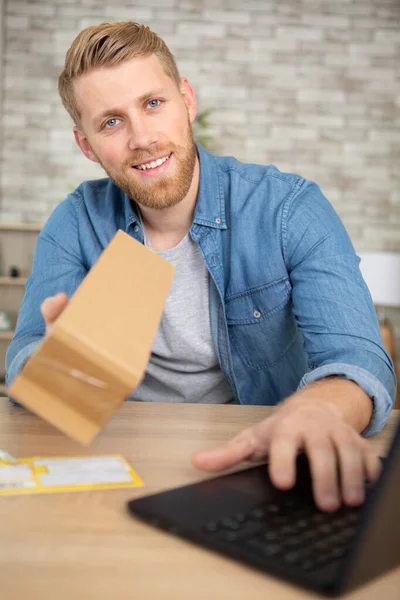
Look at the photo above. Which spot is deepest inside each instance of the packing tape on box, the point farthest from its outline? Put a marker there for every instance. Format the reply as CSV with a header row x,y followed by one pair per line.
x,y
78,374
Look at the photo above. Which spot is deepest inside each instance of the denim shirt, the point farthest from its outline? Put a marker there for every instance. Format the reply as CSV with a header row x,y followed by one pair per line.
x,y
288,304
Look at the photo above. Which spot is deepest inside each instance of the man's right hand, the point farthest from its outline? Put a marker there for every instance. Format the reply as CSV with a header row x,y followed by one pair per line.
x,y
52,308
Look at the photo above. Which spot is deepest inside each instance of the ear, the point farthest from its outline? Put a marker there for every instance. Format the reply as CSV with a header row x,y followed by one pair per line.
x,y
189,98
83,143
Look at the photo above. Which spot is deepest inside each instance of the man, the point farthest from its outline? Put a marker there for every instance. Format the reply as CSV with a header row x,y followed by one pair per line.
x,y
267,306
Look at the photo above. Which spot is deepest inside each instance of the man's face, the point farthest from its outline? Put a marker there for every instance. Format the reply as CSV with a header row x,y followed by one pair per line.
x,y
136,122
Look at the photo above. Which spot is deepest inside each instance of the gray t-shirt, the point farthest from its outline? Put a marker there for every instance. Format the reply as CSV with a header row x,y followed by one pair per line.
x,y
183,366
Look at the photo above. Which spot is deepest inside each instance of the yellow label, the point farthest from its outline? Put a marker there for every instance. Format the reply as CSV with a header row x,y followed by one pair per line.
x,y
40,475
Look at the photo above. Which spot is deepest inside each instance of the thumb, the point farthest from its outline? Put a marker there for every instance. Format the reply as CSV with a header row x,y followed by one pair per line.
x,y
52,307
228,455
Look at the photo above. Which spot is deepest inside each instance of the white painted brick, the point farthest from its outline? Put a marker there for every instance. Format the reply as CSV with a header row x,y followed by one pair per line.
x,y
377,49
318,95
83,23
230,92
381,87
270,143
42,48
374,173
249,4
177,15
389,134
273,44
300,33
19,7
16,82
15,120
64,135
190,6
34,180
40,23
227,16
293,132
333,121
385,238
25,107
30,35
96,15
290,10
358,10
232,116
387,13
365,23
325,21
283,84
156,3
331,159
174,43
386,36
271,20
346,59
16,22
66,36
130,13
201,29
241,56
90,4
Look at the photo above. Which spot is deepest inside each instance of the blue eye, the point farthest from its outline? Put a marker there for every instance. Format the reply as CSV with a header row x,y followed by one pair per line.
x,y
153,103
111,123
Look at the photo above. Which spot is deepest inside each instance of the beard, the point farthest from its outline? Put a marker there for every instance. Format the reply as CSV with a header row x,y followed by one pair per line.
x,y
166,190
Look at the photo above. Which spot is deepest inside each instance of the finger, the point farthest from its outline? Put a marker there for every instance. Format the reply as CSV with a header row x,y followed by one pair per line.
x,y
352,477
351,464
232,453
282,460
323,466
372,464
53,306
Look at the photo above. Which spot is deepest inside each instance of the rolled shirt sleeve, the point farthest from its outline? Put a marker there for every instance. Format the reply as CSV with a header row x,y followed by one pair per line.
x,y
381,398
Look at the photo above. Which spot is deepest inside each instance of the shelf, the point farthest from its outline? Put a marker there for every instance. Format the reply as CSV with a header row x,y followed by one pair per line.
x,y
5,280
34,227
6,335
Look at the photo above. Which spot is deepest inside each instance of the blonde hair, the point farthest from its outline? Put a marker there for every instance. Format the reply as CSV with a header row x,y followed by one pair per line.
x,y
106,45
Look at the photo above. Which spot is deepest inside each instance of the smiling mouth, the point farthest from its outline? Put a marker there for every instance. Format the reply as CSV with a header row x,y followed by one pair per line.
x,y
154,164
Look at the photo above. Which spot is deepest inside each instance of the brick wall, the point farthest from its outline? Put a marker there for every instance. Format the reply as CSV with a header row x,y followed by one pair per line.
x,y
309,85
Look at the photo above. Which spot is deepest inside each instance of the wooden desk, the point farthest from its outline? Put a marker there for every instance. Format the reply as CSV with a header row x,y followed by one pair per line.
x,y
84,546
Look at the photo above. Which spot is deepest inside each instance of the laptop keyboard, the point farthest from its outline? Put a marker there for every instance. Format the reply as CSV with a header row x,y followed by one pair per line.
x,y
289,529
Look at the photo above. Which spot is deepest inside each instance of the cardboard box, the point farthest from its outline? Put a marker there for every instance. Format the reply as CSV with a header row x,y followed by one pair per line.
x,y
98,349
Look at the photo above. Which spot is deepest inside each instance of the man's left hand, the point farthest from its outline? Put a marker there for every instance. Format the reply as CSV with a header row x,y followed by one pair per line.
x,y
318,429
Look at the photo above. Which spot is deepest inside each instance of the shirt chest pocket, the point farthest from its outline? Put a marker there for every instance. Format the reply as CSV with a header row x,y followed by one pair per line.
x,y
261,324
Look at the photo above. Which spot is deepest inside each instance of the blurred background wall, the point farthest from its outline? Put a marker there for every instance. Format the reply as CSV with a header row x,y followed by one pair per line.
x,y
310,86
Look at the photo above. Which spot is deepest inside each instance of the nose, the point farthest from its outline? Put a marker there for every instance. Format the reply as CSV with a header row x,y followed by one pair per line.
x,y
141,135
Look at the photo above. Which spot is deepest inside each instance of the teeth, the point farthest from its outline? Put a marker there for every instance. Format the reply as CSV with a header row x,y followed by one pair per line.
x,y
153,164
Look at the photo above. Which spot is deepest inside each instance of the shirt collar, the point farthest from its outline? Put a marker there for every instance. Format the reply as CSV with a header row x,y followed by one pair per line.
x,y
210,206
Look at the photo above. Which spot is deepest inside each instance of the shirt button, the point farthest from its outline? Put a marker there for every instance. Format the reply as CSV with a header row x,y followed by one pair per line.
x,y
256,314
217,220
136,229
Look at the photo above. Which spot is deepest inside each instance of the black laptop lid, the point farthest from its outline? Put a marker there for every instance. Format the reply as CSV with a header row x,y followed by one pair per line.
x,y
377,547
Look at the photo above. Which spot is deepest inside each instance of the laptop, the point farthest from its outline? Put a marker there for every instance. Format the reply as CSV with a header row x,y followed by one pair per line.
x,y
244,516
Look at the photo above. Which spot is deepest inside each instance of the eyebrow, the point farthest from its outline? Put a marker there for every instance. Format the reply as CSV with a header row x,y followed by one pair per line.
x,y
112,111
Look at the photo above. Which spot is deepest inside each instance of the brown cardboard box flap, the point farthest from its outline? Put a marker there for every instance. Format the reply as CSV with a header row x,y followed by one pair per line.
x,y
98,349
